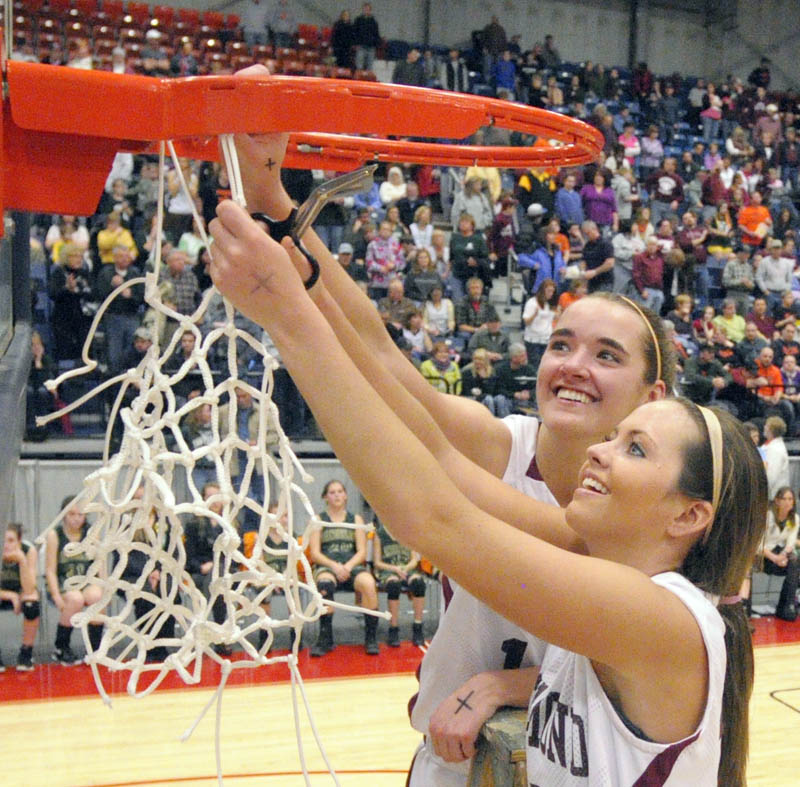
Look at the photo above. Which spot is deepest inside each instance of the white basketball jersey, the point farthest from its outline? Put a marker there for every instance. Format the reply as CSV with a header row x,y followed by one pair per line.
x,y
471,637
577,737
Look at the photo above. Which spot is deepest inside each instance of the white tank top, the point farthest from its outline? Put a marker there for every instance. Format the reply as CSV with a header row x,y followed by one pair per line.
x,y
577,737
471,637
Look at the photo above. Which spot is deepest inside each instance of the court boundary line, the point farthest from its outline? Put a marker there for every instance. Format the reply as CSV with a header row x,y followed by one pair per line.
x,y
783,702
264,774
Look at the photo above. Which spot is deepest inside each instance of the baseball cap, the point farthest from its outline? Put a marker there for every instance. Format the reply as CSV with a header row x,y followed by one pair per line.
x,y
345,248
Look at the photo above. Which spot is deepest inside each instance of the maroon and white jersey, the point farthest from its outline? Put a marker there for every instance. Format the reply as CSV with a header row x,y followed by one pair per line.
x,y
577,737
471,637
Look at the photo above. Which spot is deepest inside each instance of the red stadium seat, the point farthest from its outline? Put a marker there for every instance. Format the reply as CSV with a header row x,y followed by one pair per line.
x,y
58,8
164,13
191,15
115,9
213,19
140,12
85,7
232,22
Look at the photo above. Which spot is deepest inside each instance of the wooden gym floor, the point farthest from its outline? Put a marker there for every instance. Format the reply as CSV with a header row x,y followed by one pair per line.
x,y
56,732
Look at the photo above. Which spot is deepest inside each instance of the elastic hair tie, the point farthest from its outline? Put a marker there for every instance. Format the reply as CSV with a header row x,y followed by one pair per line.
x,y
652,333
715,438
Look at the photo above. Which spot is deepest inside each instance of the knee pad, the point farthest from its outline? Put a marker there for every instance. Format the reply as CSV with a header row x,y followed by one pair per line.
x,y
393,589
30,610
326,588
417,586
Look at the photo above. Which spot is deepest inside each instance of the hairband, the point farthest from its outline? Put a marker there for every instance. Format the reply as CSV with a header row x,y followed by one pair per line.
x,y
715,437
652,333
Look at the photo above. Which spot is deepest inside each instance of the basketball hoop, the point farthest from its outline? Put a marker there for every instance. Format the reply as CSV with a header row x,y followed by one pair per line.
x,y
57,162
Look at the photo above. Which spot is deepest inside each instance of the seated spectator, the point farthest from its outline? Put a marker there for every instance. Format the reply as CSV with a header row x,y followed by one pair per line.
x,y
113,235
774,274
516,378
355,268
787,311
338,555
384,260
200,534
198,431
786,345
576,290
39,401
469,253
399,229
396,307
66,230
490,338
155,62
703,328
398,572
538,316
421,227
136,561
729,323
18,591
749,348
59,567
681,318
441,371
790,372
179,273
648,276
778,550
192,243
479,382
704,377
417,337
738,146
115,199
184,63
738,278
142,342
422,277
762,318
769,389
473,311
438,314
73,303
393,188
122,314
754,221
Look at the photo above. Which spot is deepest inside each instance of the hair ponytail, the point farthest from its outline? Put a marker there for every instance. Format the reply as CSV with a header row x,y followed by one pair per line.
x,y
736,696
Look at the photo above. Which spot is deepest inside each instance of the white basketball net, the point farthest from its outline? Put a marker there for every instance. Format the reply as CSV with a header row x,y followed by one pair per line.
x,y
147,460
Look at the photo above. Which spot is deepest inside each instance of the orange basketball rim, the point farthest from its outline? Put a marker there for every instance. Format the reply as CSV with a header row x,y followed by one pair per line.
x,y
61,127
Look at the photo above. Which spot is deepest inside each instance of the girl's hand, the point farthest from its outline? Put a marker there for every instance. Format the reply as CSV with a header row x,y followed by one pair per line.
x,y
249,268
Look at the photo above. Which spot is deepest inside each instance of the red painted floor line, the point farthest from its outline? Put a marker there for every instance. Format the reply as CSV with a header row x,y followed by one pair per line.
x,y
265,774
54,681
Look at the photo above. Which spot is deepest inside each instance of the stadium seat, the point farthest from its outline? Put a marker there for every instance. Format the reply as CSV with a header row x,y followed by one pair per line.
x,y
140,12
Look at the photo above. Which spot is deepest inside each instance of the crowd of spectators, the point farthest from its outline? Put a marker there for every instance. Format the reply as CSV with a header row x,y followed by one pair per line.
x,y
693,197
